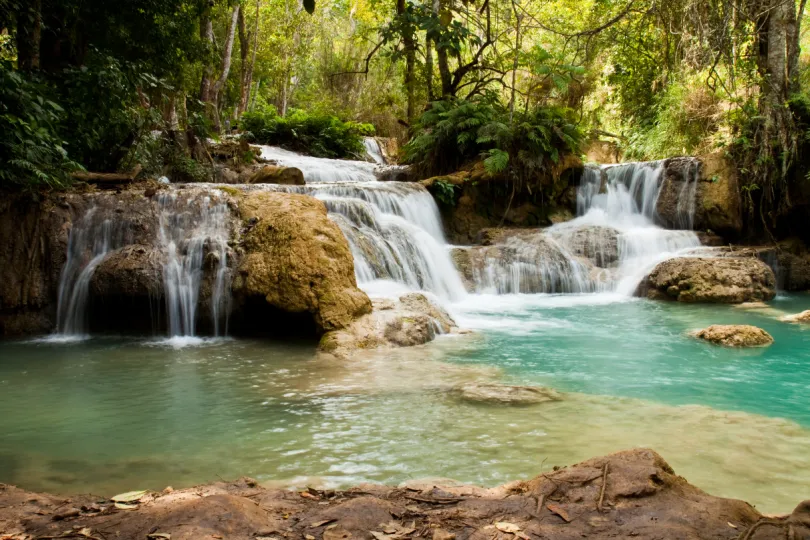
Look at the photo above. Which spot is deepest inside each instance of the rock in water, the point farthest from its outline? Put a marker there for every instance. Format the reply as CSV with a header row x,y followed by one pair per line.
x,y
505,394
803,317
272,174
735,335
297,260
412,320
706,280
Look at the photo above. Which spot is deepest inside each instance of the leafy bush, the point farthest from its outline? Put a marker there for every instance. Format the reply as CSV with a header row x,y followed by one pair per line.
x,y
316,134
452,133
103,114
448,135
686,120
31,151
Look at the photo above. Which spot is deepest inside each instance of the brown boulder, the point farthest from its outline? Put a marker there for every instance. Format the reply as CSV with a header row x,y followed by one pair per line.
x,y
297,260
272,174
717,202
707,280
735,335
412,320
132,271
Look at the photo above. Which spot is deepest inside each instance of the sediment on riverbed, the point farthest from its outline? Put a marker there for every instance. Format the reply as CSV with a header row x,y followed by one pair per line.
x,y
630,494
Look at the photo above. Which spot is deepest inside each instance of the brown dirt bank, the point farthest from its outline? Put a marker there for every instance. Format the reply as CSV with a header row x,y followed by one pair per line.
x,y
631,494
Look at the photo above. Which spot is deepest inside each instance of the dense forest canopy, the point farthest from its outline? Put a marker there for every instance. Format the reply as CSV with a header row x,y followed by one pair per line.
x,y
512,82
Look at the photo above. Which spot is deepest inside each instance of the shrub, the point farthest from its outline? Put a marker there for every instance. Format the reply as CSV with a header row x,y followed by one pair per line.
x,y
454,132
32,153
316,134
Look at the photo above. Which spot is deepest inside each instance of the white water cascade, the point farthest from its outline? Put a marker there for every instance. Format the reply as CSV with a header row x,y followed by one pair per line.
x,y
90,240
393,228
374,151
190,228
609,247
192,236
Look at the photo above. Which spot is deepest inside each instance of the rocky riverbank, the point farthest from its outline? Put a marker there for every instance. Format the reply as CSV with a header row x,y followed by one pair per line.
x,y
631,494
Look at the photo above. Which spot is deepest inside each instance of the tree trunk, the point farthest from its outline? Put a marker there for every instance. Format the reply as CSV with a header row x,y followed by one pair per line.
x,y
207,35
410,66
518,21
29,35
225,70
247,68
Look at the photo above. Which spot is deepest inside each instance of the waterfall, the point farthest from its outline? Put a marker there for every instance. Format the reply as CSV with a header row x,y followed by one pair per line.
x,y
192,235
394,228
609,247
189,228
374,151
95,235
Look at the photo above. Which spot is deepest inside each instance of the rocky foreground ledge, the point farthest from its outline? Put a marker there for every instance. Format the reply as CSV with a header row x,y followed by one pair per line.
x,y
631,494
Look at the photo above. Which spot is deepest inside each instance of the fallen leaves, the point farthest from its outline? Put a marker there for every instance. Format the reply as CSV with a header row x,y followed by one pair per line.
x,y
505,526
560,511
159,536
393,531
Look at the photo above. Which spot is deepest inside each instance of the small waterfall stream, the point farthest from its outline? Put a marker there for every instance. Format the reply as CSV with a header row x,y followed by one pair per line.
x,y
91,239
393,228
189,228
609,247
192,232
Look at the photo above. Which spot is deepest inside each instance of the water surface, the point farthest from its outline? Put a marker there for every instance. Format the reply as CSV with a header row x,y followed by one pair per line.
x,y
110,415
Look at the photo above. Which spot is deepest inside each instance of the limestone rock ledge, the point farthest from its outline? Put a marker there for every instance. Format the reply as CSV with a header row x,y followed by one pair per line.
x,y
710,280
297,260
630,494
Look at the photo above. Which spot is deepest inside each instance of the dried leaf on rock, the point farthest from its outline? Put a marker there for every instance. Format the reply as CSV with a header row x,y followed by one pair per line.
x,y
129,496
559,511
124,506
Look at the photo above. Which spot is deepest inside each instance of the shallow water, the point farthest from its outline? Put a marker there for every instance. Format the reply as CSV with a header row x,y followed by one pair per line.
x,y
110,415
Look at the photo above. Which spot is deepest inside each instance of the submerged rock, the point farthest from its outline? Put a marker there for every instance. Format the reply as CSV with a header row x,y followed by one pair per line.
x,y
505,394
803,317
272,174
630,494
711,280
297,261
735,335
412,320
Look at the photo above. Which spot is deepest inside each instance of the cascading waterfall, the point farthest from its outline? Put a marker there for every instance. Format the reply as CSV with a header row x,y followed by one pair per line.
x,y
612,244
193,232
90,240
374,151
190,228
393,228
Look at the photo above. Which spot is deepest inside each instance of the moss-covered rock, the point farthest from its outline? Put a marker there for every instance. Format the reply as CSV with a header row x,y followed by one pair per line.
x,y
297,260
711,280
